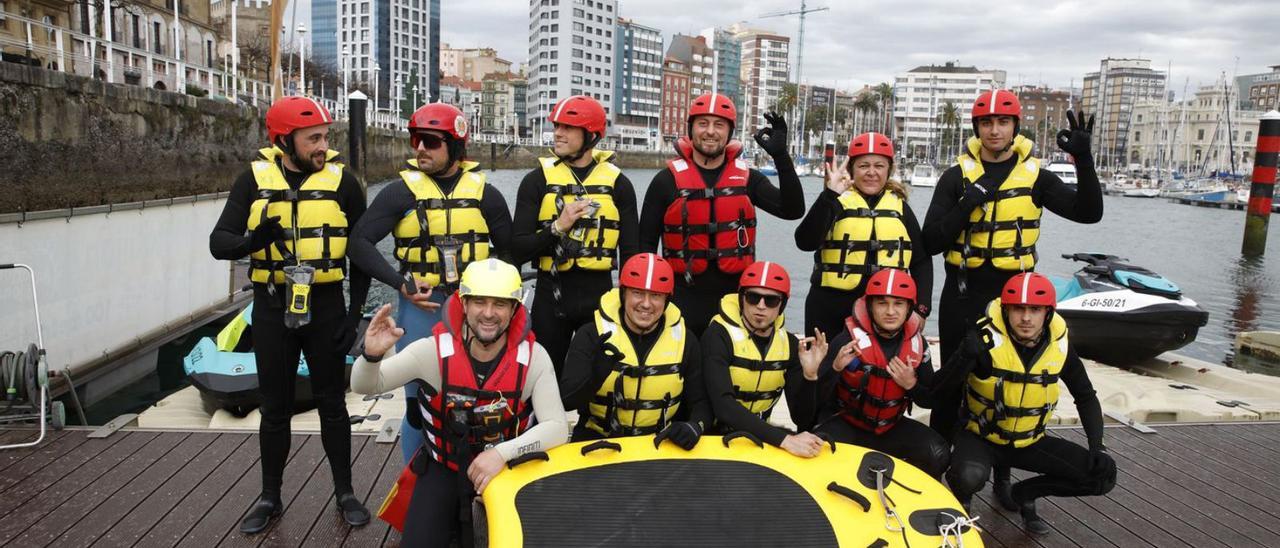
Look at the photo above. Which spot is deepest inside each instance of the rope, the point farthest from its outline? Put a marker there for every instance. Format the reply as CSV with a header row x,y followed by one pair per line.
x,y
955,530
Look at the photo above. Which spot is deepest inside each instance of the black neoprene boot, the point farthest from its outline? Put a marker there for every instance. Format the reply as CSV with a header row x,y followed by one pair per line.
x,y
259,516
352,510
1032,521
1002,488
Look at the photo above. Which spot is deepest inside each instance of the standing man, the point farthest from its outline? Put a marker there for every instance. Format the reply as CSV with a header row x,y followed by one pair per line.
x,y
636,370
444,217
289,214
751,360
703,206
985,216
575,219
1009,368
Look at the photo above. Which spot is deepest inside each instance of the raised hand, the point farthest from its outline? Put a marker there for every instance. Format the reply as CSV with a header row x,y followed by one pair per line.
x,y
382,332
773,139
838,180
812,350
1075,141
902,374
846,355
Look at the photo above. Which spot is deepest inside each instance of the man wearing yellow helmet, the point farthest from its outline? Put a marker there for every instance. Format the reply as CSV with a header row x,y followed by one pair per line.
x,y
481,373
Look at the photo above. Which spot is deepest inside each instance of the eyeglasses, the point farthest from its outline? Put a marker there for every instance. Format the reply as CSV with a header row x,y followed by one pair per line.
x,y
770,301
430,141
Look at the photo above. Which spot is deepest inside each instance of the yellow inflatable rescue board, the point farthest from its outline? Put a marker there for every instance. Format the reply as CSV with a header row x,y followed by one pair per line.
x,y
626,492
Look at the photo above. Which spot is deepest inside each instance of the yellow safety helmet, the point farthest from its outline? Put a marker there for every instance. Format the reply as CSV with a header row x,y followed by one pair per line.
x,y
491,278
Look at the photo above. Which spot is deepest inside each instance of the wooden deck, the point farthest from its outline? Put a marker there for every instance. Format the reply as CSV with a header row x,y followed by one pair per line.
x,y
1201,485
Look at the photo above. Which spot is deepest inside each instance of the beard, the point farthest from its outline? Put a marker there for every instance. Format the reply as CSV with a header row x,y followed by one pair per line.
x,y
310,164
479,335
710,150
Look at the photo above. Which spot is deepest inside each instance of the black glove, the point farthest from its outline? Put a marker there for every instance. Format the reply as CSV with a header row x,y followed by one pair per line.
x,y
924,309
345,336
265,234
684,434
980,192
413,413
602,363
1099,460
974,348
773,139
1075,141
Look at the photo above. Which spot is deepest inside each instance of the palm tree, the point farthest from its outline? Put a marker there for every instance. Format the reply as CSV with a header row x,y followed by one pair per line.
x,y
950,120
884,97
866,104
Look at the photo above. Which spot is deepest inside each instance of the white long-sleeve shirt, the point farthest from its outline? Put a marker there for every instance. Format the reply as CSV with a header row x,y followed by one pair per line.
x,y
418,361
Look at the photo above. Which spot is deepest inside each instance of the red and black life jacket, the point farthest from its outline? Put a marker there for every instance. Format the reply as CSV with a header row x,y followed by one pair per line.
x,y
483,415
868,396
709,223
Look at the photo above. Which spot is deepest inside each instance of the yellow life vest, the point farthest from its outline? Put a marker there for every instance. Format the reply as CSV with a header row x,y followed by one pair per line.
x,y
641,394
596,236
1003,230
448,220
1014,404
757,380
860,228
314,223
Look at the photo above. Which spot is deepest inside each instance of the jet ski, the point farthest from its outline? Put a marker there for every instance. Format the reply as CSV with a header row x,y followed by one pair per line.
x,y
225,371
1120,314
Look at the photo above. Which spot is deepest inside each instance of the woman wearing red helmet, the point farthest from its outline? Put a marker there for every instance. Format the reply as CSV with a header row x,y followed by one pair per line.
x,y
576,221
1009,369
444,216
702,208
636,369
859,224
880,367
751,360
290,213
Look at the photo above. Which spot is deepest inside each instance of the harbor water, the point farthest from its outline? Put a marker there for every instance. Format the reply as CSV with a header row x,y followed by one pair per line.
x,y
1197,248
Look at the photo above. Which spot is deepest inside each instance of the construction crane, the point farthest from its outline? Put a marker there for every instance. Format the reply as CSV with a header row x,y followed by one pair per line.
x,y
802,12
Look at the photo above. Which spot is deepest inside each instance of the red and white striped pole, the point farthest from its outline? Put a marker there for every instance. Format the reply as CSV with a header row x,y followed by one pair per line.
x,y
1264,183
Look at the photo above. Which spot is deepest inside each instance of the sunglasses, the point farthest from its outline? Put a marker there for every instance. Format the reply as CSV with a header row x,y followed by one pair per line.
x,y
770,301
430,141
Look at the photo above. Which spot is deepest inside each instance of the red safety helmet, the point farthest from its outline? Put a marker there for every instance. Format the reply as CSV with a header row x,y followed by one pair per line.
x,y
767,275
1029,288
649,272
999,102
580,111
292,113
441,117
713,104
891,282
871,143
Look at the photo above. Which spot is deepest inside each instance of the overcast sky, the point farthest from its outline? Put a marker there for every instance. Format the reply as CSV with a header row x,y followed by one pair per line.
x,y
868,41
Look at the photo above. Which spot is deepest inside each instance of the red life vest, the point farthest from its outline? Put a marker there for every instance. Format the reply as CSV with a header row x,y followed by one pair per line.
x,y
705,223
483,415
869,398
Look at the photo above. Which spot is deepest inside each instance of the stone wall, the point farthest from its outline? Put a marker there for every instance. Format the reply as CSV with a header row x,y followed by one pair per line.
x,y
68,141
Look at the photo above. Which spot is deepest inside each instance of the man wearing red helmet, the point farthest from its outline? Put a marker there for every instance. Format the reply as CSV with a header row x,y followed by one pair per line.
x,y
636,369
1009,371
702,208
859,224
290,213
985,216
575,220
878,368
443,216
751,359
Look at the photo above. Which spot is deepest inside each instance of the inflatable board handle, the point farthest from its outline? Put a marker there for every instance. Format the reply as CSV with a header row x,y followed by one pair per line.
x,y
850,494
742,434
602,444
879,543
827,438
537,455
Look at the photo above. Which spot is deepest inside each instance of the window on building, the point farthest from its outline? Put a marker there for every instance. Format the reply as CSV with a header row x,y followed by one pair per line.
x,y
155,37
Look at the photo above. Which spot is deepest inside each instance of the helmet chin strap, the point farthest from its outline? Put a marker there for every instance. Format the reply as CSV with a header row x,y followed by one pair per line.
x,y
285,144
588,143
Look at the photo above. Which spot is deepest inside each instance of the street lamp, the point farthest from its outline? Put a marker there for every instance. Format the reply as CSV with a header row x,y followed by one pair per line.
x,y
376,80
302,59
346,50
399,88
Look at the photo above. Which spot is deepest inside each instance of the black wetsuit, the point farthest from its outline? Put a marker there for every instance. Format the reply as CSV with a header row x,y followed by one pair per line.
x,y
944,223
390,206
584,373
555,321
1066,469
277,347
701,301
731,415
826,308
907,439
